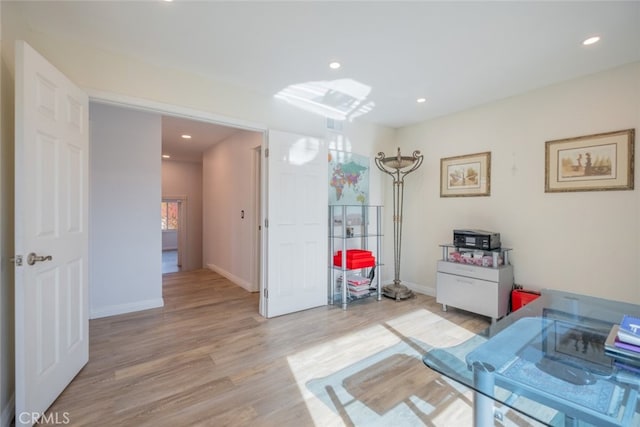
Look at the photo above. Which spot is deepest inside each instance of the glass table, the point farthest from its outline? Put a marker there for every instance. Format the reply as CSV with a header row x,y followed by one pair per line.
x,y
548,357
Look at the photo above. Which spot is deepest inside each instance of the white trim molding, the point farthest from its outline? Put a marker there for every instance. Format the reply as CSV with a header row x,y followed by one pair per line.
x,y
421,289
246,285
131,307
120,100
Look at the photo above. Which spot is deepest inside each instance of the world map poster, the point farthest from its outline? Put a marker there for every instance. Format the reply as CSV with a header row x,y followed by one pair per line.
x,y
348,178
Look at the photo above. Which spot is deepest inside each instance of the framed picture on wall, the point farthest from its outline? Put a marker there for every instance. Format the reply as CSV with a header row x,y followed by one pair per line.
x,y
597,162
465,176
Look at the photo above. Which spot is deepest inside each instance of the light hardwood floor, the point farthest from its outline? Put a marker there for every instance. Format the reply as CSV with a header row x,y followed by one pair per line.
x,y
208,358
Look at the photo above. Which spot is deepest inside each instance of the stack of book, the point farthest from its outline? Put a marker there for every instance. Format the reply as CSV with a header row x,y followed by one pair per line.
x,y
623,344
357,286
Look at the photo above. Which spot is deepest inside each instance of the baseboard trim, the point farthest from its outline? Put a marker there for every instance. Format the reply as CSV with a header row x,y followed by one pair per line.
x,y
421,289
235,279
8,412
131,307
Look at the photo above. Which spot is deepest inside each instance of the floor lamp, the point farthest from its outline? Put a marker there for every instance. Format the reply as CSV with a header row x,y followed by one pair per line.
x,y
398,167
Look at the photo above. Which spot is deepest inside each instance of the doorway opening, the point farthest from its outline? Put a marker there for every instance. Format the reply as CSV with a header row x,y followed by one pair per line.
x,y
221,200
172,226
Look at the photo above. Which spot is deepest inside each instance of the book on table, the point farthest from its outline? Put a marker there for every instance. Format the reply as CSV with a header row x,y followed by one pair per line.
x,y
630,325
621,351
627,346
629,330
626,366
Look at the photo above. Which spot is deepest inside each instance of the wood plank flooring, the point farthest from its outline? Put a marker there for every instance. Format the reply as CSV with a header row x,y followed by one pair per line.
x,y
208,358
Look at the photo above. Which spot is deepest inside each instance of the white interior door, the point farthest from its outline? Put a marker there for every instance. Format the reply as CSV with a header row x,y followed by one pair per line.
x,y
297,223
51,213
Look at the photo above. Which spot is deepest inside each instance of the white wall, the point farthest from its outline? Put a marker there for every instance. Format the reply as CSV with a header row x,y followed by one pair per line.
x,y
185,179
125,248
169,240
228,189
585,242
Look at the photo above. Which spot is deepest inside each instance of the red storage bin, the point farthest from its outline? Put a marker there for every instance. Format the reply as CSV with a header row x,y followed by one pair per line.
x,y
356,258
355,253
521,297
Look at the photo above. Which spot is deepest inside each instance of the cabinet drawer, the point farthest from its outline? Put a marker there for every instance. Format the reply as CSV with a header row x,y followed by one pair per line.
x,y
467,270
475,295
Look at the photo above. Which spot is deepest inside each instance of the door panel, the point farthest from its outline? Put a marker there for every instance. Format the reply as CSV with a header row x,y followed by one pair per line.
x,y
51,187
297,214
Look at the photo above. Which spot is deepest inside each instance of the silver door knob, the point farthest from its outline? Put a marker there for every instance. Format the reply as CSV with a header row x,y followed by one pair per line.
x,y
32,258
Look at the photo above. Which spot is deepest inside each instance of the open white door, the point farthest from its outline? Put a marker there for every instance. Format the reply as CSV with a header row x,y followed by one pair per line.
x,y
297,223
51,213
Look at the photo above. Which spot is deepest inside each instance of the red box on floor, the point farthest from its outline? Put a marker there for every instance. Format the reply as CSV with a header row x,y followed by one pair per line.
x,y
356,258
521,297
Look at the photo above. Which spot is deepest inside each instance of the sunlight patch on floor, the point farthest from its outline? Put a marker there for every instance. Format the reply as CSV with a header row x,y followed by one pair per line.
x,y
339,379
332,356
459,410
430,328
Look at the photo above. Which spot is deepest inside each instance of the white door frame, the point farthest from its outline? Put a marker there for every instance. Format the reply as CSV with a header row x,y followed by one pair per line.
x,y
264,243
188,113
170,109
256,238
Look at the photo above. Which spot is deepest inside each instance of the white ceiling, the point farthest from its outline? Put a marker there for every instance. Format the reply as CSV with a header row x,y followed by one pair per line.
x,y
203,135
456,54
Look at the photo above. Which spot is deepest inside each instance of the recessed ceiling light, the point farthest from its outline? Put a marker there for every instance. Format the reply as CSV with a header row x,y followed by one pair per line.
x,y
591,40
166,156
421,100
186,136
335,65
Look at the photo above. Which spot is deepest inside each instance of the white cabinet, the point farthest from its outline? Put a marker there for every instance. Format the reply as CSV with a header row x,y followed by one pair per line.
x,y
483,290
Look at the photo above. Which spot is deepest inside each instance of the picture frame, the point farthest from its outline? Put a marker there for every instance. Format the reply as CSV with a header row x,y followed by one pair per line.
x,y
598,162
466,176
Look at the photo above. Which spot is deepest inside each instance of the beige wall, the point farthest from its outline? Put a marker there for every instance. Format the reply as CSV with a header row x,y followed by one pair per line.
x,y
185,179
229,188
584,242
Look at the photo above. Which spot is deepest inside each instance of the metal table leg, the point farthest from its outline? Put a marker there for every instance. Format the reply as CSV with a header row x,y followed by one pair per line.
x,y
484,382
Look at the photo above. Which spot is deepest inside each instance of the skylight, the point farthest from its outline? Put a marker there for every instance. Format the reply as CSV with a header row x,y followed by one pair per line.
x,y
342,99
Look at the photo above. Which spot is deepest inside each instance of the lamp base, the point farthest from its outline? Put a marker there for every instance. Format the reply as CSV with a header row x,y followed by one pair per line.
x,y
397,292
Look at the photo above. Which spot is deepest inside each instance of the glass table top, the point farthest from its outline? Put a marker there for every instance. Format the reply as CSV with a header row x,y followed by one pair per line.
x,y
549,357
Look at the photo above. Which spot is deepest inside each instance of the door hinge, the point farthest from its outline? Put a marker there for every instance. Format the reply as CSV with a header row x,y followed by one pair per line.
x,y
266,152
266,293
17,260
266,223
